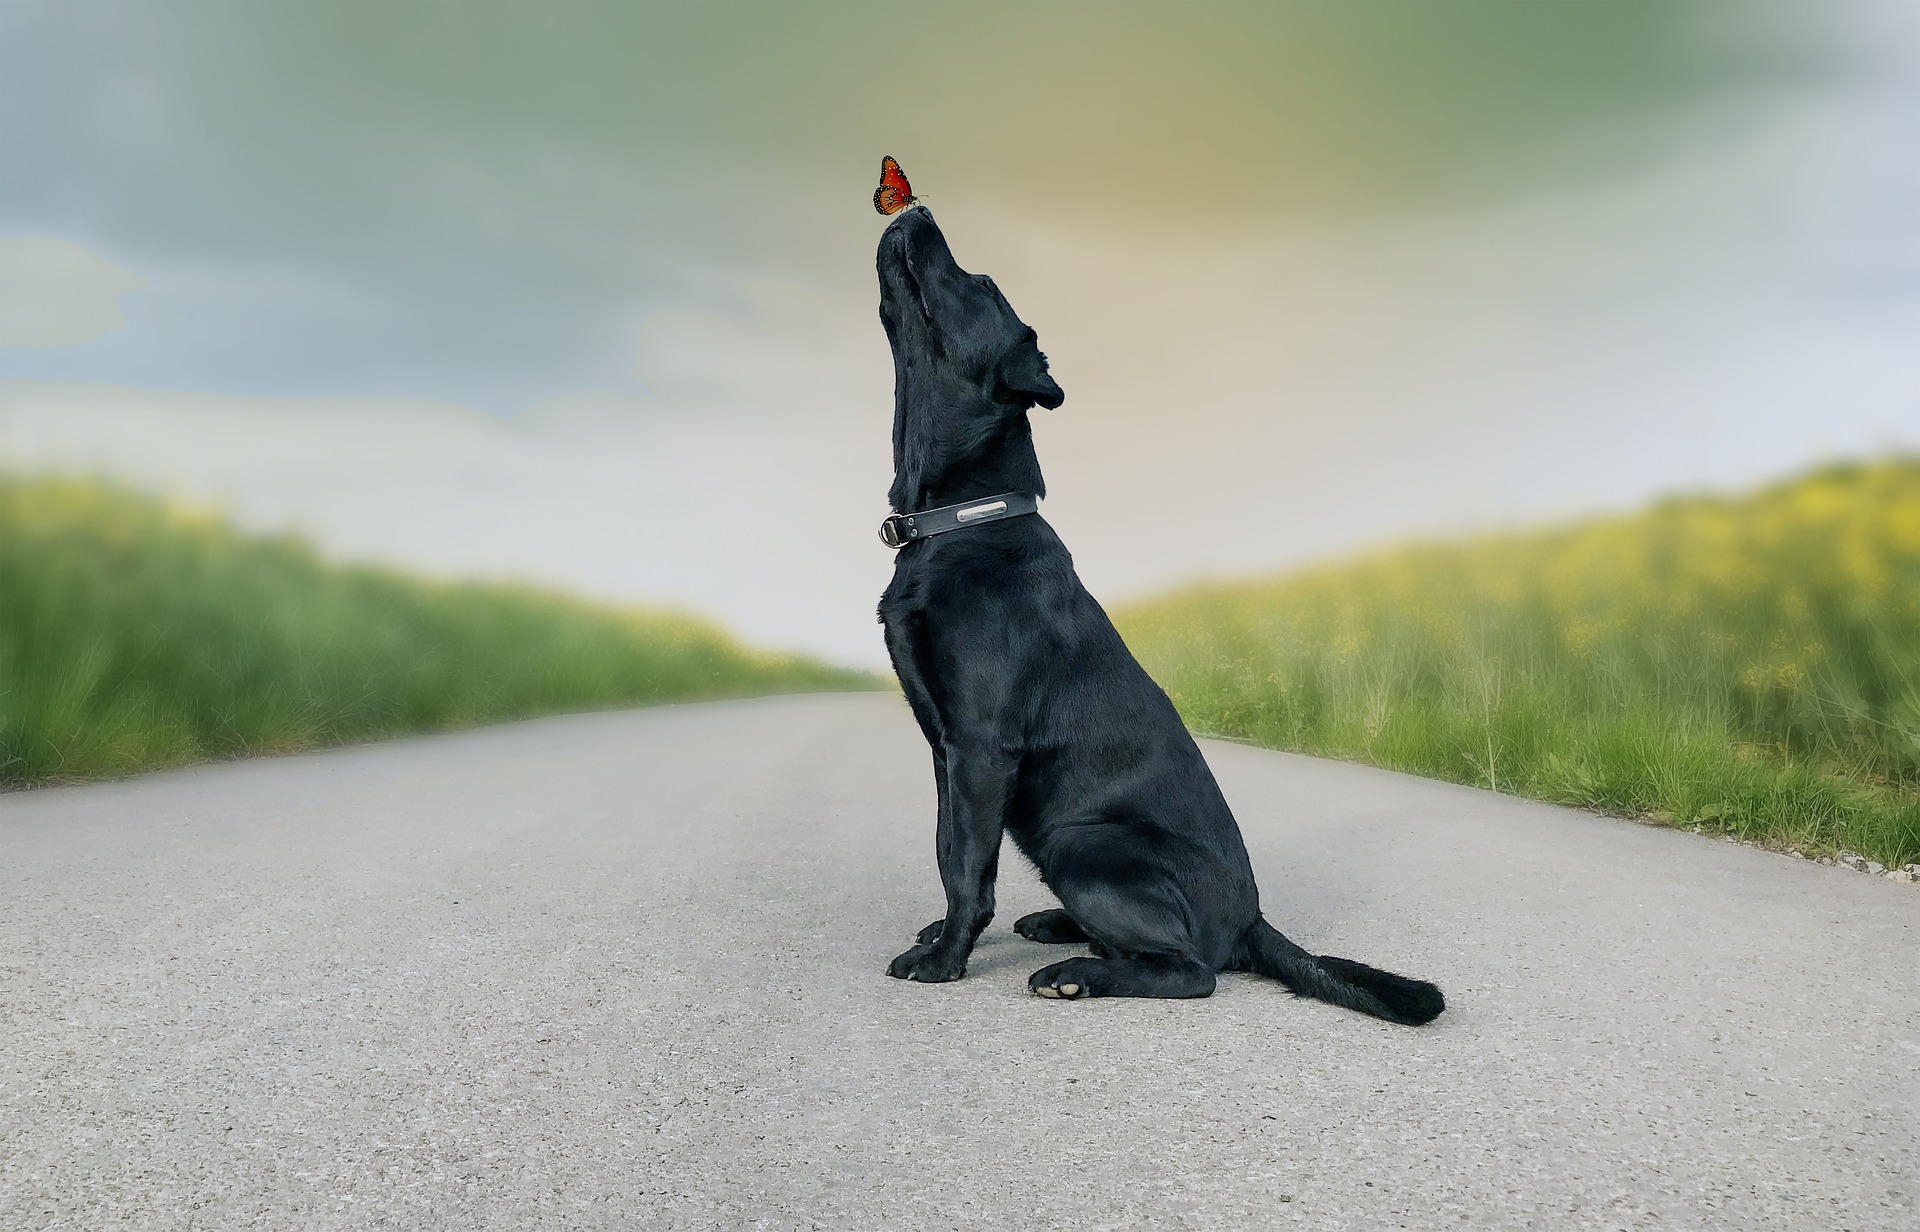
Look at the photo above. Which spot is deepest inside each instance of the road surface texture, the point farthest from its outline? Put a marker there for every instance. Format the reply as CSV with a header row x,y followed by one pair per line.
x,y
627,971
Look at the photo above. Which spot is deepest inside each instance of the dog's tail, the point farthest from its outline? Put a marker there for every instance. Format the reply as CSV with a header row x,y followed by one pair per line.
x,y
1353,985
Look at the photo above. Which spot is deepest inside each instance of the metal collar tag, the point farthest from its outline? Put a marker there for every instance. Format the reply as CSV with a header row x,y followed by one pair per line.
x,y
903,528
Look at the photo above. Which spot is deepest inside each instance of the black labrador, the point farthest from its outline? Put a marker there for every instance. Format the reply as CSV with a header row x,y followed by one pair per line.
x,y
1042,724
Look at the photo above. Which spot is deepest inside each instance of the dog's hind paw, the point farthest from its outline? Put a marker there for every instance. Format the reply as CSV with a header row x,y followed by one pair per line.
x,y
1063,980
1140,976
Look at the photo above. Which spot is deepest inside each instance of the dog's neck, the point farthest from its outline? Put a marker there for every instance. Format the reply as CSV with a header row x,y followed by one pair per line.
x,y
929,473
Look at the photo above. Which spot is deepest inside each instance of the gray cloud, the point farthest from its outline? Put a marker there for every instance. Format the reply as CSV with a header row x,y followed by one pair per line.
x,y
478,202
1321,276
55,293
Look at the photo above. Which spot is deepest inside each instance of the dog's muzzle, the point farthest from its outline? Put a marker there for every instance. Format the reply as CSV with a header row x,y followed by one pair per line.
x,y
901,529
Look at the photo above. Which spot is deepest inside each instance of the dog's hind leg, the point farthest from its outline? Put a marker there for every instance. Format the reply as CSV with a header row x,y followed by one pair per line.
x,y
1053,927
1140,927
1146,975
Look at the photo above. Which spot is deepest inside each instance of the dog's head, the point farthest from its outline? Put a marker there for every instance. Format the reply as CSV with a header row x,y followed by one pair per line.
x,y
966,371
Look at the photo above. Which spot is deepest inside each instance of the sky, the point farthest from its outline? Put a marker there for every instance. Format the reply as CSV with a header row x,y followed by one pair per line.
x,y
584,295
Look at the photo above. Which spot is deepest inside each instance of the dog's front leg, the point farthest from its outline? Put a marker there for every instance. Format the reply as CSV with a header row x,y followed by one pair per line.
x,y
931,932
972,815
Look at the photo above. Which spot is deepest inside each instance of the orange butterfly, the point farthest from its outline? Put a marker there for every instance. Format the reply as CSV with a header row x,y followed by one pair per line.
x,y
894,193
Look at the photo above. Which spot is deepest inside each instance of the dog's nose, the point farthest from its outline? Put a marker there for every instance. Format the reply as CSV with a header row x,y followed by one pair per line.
x,y
913,215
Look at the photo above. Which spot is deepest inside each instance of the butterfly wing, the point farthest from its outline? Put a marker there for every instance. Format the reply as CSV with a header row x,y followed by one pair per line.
x,y
894,193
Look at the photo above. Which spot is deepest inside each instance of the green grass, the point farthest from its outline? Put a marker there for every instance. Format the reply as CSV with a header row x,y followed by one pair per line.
x,y
1749,666
134,635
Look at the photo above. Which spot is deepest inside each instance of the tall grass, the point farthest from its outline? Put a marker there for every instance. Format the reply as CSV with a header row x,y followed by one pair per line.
x,y
133,635
1747,665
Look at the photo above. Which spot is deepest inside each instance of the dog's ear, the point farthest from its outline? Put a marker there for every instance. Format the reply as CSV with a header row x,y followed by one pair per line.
x,y
1024,374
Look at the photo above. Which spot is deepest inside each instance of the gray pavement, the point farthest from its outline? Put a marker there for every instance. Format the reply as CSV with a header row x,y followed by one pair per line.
x,y
626,971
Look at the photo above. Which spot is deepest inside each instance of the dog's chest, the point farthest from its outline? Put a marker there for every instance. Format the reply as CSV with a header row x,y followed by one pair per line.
x,y
912,608
953,584
942,607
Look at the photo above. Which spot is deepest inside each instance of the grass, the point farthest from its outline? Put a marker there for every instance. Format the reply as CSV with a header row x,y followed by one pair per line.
x,y
1749,666
134,635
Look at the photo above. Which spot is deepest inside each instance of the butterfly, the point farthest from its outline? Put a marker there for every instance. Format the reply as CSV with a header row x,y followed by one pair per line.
x,y
894,193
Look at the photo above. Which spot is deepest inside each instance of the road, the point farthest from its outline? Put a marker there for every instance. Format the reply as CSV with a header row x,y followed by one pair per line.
x,y
626,971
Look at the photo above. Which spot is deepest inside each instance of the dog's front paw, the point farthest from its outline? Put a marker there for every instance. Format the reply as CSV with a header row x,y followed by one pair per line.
x,y
929,964
1054,927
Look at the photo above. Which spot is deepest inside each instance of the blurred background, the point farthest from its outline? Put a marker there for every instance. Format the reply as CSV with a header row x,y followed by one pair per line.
x,y
581,295
584,293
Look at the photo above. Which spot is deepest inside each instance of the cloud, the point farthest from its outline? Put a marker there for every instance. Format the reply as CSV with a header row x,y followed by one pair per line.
x,y
56,293
1236,403
1565,304
475,203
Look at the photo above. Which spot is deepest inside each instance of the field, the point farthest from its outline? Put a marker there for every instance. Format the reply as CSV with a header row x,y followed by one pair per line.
x,y
1749,666
134,635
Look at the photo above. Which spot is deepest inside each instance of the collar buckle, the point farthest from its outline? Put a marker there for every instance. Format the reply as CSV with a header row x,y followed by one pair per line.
x,y
896,530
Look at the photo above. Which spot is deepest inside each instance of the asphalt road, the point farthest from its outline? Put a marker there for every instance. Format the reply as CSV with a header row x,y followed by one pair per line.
x,y
626,971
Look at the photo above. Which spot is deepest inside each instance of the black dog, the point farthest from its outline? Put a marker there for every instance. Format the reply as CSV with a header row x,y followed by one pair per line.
x,y
1042,724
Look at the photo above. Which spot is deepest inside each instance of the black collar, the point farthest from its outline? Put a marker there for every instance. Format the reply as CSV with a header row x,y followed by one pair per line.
x,y
904,528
